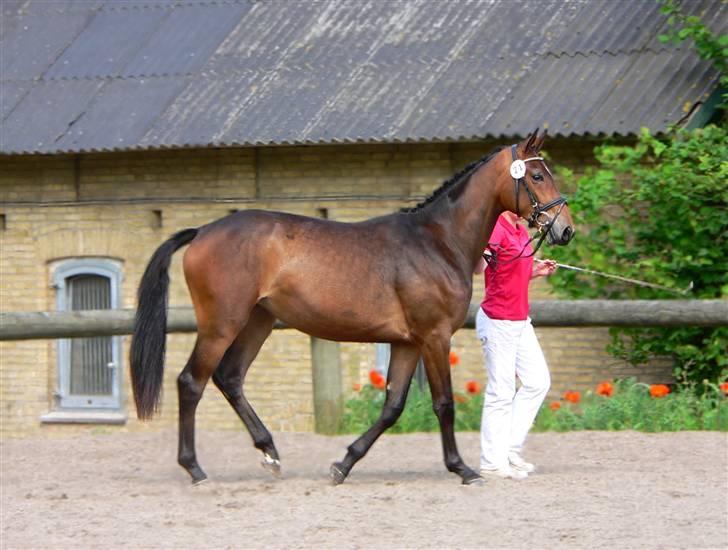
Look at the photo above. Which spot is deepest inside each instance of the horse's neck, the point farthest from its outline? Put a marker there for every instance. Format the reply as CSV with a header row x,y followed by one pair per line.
x,y
473,215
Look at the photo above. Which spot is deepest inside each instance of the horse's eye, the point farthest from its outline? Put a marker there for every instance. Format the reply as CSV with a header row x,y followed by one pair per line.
x,y
538,177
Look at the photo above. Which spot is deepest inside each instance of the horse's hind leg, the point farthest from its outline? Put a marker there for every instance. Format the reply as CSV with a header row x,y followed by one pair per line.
x,y
191,382
230,376
402,363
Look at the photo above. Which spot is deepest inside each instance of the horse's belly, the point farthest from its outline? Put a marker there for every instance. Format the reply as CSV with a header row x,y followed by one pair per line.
x,y
350,322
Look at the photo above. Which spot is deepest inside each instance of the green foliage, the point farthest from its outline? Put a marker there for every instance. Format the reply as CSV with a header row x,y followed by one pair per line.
x,y
468,413
708,46
364,409
656,211
632,408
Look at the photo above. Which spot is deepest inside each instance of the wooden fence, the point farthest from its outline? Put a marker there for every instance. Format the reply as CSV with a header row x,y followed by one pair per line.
x,y
545,313
325,355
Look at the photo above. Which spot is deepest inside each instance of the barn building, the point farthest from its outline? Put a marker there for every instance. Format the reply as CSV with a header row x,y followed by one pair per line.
x,y
125,121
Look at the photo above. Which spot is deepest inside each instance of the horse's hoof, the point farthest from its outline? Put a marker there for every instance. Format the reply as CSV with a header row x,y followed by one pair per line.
x,y
199,480
197,474
337,476
474,481
272,465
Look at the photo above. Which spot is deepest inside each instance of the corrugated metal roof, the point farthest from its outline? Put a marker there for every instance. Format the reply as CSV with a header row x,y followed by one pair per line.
x,y
95,75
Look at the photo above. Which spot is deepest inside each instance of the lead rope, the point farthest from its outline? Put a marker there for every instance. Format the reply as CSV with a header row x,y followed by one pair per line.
x,y
625,279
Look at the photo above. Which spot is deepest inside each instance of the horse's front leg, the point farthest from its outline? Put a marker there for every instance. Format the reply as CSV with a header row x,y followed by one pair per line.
x,y
435,353
402,363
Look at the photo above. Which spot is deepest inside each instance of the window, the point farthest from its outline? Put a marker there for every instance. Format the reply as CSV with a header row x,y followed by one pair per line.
x,y
89,369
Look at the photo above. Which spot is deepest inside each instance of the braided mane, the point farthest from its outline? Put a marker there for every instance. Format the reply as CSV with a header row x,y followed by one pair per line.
x,y
462,177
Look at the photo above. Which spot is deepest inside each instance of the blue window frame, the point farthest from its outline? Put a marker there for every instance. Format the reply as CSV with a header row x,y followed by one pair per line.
x,y
89,369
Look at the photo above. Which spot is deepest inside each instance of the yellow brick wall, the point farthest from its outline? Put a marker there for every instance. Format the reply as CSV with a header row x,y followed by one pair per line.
x,y
106,206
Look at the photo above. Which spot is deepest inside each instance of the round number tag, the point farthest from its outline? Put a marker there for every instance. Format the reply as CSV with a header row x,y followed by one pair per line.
x,y
518,169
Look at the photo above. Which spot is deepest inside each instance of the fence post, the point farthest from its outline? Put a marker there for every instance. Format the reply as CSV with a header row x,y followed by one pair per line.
x,y
327,392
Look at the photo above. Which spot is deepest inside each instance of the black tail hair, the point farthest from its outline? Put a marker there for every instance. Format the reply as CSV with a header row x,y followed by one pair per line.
x,y
148,344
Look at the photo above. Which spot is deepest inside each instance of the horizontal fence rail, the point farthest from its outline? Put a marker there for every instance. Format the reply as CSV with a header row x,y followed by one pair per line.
x,y
545,313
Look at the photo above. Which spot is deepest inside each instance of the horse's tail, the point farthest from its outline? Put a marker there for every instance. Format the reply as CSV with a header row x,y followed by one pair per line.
x,y
148,343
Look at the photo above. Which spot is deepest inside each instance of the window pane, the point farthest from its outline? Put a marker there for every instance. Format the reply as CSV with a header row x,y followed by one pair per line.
x,y
90,357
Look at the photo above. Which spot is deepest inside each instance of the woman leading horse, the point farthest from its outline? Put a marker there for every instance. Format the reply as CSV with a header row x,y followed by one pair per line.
x,y
405,278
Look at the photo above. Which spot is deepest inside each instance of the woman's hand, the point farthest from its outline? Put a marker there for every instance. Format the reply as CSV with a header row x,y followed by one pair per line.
x,y
543,268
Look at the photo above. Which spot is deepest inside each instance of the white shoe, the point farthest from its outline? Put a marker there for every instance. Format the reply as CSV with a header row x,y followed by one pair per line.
x,y
505,472
517,463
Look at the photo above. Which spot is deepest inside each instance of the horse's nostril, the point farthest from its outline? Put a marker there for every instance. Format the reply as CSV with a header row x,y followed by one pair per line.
x,y
566,234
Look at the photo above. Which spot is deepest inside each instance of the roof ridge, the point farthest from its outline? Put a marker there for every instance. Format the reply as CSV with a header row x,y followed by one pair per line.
x,y
96,77
605,52
106,6
157,4
216,70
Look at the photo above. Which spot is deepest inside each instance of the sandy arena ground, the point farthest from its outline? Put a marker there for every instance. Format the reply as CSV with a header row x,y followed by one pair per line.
x,y
593,490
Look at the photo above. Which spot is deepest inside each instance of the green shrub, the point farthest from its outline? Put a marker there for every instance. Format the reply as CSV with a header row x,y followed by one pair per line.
x,y
362,410
630,407
656,211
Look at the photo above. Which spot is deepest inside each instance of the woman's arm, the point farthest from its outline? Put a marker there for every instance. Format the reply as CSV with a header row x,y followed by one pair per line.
x,y
543,268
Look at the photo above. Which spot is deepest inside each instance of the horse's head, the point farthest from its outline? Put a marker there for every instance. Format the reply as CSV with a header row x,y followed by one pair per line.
x,y
530,190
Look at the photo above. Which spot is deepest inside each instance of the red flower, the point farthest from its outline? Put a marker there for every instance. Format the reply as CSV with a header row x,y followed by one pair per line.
x,y
659,390
724,387
606,389
454,358
555,406
377,380
572,396
356,387
473,387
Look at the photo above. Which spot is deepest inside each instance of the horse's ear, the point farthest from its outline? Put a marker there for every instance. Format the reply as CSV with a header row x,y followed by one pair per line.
x,y
539,142
527,144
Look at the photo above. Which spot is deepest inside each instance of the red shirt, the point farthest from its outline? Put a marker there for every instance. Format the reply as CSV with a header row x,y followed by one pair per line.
x,y
506,286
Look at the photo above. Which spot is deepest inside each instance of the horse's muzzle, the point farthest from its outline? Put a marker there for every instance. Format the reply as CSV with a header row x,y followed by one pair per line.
x,y
560,234
566,234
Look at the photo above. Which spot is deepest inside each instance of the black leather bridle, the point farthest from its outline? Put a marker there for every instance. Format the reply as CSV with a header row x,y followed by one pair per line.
x,y
539,217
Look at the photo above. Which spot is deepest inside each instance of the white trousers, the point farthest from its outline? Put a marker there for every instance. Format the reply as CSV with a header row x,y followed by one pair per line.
x,y
510,349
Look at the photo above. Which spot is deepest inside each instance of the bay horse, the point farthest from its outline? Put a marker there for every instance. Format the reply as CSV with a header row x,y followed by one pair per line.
x,y
404,279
